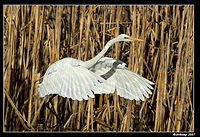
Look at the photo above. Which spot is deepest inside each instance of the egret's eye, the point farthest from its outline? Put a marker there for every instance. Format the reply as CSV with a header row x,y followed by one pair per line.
x,y
126,37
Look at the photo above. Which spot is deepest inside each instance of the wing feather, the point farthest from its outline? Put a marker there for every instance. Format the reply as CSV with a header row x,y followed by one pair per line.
x,y
73,85
107,87
131,87
120,86
128,84
140,82
129,90
134,84
81,91
66,78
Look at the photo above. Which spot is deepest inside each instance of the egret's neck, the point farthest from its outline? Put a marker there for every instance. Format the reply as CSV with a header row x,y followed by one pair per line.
x,y
91,62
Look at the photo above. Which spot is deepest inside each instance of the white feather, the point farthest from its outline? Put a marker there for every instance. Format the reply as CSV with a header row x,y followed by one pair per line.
x,y
128,84
66,78
75,79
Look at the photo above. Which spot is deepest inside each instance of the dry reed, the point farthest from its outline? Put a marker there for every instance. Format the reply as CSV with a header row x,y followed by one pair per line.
x,y
36,36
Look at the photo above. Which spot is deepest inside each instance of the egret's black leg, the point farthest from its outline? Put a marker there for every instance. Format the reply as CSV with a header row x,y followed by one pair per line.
x,y
54,112
58,119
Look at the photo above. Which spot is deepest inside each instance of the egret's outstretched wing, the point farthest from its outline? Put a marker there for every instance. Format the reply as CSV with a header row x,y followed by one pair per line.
x,y
128,84
66,78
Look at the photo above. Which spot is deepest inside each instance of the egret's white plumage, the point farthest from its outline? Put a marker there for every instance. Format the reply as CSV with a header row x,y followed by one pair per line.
x,y
68,79
76,79
128,84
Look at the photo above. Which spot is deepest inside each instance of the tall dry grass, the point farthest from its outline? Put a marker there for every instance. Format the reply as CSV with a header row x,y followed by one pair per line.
x,y
36,36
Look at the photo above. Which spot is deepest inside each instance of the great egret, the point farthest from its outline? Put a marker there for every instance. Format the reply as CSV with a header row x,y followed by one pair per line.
x,y
76,79
128,84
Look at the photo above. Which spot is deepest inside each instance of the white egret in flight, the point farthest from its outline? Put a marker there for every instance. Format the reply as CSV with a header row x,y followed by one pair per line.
x,y
76,79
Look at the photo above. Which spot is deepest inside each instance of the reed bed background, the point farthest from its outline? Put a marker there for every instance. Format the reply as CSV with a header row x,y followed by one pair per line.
x,y
36,36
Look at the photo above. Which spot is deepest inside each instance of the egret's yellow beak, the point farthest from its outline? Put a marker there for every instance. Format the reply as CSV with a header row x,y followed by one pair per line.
x,y
136,39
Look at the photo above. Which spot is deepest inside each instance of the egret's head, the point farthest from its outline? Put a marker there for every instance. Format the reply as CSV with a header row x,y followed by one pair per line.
x,y
124,37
